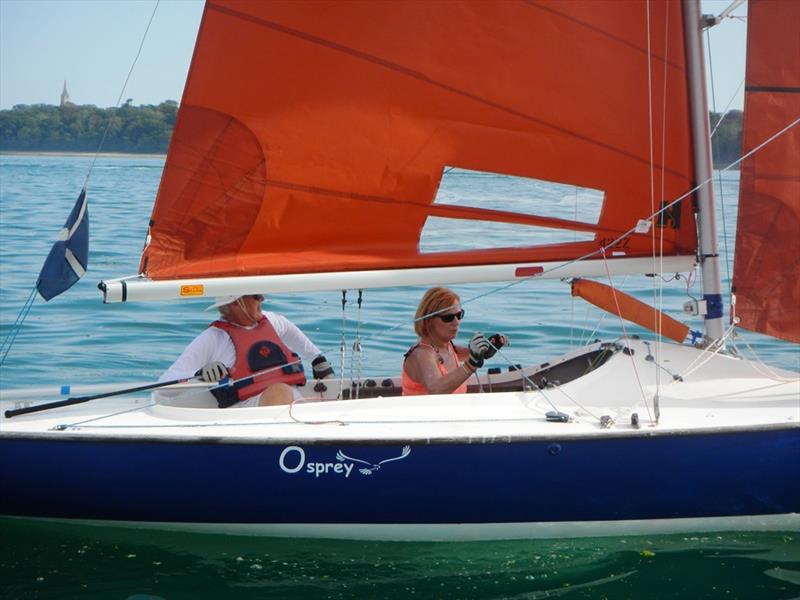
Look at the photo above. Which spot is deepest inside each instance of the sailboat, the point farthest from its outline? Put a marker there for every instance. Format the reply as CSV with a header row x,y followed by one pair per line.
x,y
307,154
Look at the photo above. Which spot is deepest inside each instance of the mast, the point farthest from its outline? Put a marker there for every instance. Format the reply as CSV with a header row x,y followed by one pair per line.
x,y
701,141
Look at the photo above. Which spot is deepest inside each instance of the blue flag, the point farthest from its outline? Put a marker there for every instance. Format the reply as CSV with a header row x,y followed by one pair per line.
x,y
69,256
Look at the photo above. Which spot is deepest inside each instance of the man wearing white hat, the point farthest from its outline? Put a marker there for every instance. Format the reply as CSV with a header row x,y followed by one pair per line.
x,y
258,351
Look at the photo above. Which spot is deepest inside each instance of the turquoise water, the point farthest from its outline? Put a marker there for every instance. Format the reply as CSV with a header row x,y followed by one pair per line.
x,y
76,339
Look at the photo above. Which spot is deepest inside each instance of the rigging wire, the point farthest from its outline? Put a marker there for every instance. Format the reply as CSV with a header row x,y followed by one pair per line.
x,y
660,283
8,341
625,334
342,343
572,298
122,92
355,357
10,338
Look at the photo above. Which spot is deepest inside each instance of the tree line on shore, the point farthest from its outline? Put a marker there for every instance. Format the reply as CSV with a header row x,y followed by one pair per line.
x,y
147,129
74,128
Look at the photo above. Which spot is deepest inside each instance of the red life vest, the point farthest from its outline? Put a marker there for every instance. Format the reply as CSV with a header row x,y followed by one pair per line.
x,y
258,349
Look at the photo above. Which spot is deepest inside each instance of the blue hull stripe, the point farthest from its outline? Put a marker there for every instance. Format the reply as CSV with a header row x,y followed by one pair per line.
x,y
665,477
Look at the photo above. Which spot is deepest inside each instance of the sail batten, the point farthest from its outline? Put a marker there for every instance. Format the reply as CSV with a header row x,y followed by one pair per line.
x,y
312,137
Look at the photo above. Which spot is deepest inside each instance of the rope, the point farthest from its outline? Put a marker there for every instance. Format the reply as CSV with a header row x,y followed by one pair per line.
x,y
767,369
712,349
5,347
625,334
122,412
342,343
296,420
355,357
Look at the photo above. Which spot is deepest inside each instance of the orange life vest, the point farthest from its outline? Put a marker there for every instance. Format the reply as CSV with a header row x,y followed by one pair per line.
x,y
258,349
413,388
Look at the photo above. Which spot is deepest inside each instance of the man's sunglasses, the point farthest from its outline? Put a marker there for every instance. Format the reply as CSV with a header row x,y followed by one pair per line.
x,y
449,317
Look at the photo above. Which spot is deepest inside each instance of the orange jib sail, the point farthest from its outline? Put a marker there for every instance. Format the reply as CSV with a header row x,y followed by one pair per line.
x,y
312,136
629,308
766,274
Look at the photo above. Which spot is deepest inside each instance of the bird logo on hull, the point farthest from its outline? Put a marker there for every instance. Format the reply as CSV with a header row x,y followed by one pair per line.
x,y
372,467
293,460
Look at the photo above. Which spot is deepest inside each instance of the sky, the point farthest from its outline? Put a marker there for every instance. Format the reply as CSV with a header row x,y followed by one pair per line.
x,y
91,45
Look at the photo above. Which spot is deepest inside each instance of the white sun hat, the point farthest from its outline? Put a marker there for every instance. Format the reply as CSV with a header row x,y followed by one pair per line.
x,y
222,301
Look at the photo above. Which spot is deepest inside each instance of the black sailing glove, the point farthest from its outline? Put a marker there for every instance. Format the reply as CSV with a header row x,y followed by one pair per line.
x,y
321,368
498,340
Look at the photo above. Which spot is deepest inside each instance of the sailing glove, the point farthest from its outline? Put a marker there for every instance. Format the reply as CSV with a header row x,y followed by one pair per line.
x,y
478,347
321,367
497,341
213,372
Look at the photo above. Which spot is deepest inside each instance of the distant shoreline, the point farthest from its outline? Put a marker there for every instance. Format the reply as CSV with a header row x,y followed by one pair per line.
x,y
81,154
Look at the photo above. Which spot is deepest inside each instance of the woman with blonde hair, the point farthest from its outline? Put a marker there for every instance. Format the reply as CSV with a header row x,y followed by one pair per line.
x,y
435,365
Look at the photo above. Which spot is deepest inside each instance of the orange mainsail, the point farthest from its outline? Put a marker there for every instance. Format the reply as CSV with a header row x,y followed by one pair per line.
x,y
312,135
766,274
629,308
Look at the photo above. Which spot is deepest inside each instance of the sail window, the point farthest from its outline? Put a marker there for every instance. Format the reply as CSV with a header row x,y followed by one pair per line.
x,y
518,195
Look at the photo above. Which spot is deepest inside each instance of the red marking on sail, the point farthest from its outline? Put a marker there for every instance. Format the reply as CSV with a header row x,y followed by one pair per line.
x,y
312,135
629,308
766,274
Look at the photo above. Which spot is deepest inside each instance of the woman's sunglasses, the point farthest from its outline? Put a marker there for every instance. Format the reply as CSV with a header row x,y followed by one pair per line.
x,y
449,317
259,297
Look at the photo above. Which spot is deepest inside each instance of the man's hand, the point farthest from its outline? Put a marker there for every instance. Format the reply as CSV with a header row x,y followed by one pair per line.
x,y
213,372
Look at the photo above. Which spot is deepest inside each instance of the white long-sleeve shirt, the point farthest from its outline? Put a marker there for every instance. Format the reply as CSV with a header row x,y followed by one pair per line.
x,y
214,344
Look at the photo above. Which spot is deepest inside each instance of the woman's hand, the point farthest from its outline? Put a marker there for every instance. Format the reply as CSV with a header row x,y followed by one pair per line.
x,y
497,341
479,347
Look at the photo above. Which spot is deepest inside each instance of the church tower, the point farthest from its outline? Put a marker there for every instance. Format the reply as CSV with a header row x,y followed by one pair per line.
x,y
65,95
